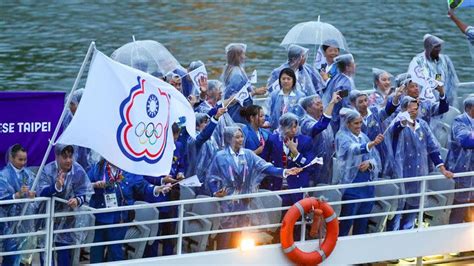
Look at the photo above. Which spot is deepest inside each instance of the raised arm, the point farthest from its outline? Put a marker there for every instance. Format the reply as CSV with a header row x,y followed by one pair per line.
x,y
457,21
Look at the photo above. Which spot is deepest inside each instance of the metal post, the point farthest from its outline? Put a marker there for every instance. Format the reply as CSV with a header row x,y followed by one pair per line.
x,y
422,204
180,229
48,246
421,210
419,261
303,228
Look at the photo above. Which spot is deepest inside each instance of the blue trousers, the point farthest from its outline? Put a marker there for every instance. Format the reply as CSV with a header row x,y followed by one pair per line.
x,y
407,220
164,229
457,214
10,245
360,225
114,252
64,257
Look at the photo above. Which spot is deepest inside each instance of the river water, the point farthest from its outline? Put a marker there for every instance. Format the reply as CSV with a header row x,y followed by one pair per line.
x,y
42,43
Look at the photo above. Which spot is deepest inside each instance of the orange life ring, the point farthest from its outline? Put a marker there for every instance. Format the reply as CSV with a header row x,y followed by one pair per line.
x,y
286,233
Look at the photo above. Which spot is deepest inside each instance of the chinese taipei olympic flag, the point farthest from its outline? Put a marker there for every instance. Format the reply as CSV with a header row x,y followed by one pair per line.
x,y
126,115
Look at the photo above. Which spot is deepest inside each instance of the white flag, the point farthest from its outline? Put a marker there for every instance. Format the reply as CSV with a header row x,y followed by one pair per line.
x,y
192,181
427,84
126,116
196,76
404,116
243,94
316,160
253,77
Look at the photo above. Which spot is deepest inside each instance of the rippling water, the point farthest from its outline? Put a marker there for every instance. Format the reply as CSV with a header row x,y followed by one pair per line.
x,y
42,45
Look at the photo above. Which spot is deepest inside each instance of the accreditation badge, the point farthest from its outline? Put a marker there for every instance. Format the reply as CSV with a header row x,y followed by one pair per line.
x,y
110,200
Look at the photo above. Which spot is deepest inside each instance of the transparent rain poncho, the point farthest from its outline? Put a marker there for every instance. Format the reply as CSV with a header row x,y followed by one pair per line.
x,y
307,79
213,86
76,184
408,153
441,70
224,121
189,88
277,105
351,152
461,152
378,97
84,156
339,82
202,149
373,123
10,183
148,56
234,78
323,146
241,178
75,99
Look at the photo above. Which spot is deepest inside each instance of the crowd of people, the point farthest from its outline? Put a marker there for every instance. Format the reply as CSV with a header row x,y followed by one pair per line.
x,y
311,111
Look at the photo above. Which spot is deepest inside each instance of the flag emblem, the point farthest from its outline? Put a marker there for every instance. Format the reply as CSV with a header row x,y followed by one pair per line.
x,y
144,140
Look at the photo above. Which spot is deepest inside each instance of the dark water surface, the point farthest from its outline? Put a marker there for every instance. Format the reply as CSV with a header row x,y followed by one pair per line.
x,y
42,43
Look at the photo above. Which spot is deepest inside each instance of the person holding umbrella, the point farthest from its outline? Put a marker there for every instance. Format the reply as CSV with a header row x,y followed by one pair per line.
x,y
324,61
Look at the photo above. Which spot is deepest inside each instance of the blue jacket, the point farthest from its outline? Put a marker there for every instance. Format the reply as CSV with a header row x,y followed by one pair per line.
x,y
252,142
131,188
178,166
273,153
322,146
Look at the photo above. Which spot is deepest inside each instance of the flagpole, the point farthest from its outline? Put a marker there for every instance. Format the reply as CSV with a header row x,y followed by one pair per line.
x,y
58,126
63,114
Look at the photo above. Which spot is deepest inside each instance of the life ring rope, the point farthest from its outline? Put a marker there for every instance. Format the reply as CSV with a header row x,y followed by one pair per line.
x,y
321,209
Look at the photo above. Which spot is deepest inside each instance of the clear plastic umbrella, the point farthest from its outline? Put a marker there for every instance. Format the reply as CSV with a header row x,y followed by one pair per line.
x,y
147,55
315,33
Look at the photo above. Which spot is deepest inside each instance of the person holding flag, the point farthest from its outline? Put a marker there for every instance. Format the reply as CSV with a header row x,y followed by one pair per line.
x,y
426,109
410,144
358,162
431,69
203,148
236,170
373,117
235,79
287,149
114,187
285,99
178,168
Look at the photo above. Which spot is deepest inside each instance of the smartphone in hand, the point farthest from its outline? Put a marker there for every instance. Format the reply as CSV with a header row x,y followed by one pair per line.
x,y
343,93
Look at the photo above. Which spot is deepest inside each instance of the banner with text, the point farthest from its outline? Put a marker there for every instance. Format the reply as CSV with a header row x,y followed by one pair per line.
x,y
29,118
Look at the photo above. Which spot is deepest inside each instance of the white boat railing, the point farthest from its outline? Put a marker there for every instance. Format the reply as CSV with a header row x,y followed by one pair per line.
x,y
50,215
